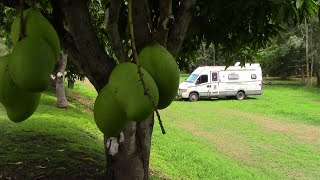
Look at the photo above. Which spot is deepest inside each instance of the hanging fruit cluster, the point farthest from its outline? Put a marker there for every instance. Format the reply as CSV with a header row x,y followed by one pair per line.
x,y
24,73
124,98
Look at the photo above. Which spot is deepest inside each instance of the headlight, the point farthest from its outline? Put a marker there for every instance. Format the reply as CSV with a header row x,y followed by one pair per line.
x,y
183,90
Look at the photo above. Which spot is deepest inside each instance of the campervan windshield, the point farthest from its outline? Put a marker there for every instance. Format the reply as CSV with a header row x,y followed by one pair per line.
x,y
192,78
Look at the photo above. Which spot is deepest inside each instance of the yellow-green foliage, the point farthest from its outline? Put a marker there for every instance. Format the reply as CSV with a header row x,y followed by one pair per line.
x,y
126,86
31,64
109,116
36,26
19,104
163,68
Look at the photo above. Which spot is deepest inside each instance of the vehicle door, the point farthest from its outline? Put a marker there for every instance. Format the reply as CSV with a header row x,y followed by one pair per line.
x,y
214,85
203,85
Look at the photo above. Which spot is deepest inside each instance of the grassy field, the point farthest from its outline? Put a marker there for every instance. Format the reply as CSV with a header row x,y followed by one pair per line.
x,y
273,136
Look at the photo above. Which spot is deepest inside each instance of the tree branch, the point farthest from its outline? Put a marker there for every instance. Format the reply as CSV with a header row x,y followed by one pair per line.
x,y
111,21
179,29
140,22
165,7
93,59
71,49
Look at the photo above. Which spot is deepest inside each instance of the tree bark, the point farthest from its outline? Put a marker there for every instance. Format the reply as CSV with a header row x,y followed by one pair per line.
x,y
312,58
128,155
214,55
52,83
83,43
165,7
316,72
111,22
303,78
131,159
62,101
307,53
180,27
137,136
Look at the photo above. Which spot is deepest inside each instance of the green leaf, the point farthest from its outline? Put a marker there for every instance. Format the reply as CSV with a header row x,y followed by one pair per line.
x,y
299,3
312,7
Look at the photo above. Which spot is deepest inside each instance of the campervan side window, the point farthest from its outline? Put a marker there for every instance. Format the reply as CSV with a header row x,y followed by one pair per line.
x,y
202,79
233,76
253,76
214,76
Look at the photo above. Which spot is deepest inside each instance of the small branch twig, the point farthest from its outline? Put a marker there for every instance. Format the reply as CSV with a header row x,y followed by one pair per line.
x,y
22,33
135,55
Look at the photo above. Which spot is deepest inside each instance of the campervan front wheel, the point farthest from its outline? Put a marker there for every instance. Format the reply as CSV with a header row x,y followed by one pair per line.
x,y
193,97
240,95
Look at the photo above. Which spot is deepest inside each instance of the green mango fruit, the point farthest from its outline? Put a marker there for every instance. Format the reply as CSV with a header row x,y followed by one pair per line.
x,y
163,68
128,90
30,64
36,25
109,116
20,105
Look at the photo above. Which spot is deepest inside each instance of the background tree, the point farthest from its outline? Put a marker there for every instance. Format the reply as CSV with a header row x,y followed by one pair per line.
x,y
285,55
62,101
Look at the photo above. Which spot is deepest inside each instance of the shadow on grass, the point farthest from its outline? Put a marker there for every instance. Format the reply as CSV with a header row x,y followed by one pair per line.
x,y
26,154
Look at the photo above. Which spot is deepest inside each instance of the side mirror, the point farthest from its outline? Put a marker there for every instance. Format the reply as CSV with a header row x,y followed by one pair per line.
x,y
198,81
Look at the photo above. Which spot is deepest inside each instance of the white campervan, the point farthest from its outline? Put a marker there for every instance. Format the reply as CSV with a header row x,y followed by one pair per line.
x,y
217,81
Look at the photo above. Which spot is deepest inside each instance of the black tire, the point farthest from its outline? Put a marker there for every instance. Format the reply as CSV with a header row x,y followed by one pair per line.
x,y
240,95
193,97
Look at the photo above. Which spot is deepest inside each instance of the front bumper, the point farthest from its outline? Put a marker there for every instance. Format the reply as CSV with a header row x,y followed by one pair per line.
x,y
182,94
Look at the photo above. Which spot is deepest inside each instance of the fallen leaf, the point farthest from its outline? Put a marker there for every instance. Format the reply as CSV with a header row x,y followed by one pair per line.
x,y
60,150
16,163
61,168
88,159
41,167
39,177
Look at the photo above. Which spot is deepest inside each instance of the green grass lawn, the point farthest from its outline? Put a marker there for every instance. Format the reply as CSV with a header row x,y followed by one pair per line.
x,y
272,136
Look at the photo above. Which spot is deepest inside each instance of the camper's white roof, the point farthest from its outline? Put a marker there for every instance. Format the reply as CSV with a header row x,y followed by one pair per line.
x,y
205,69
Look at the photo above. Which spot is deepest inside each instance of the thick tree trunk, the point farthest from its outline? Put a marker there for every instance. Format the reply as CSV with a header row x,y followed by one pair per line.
x,y
303,79
62,101
307,54
216,46
52,83
316,72
312,58
214,55
128,155
136,144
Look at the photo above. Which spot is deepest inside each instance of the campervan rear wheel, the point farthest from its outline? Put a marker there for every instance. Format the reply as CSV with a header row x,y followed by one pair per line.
x,y
193,97
240,95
